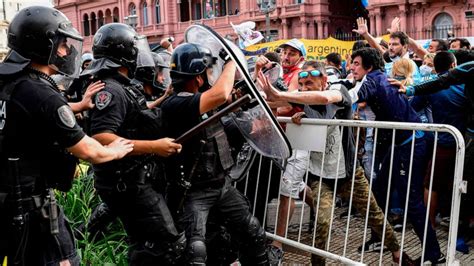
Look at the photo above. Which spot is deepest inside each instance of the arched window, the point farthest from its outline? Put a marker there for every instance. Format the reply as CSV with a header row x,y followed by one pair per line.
x,y
115,15
442,24
145,14
108,16
132,9
85,25
93,23
101,19
157,12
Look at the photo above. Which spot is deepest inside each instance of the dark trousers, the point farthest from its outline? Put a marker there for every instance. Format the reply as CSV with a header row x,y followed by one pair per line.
x,y
40,247
147,221
230,207
400,171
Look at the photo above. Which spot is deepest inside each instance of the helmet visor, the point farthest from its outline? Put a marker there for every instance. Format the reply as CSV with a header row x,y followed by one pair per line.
x,y
144,56
66,57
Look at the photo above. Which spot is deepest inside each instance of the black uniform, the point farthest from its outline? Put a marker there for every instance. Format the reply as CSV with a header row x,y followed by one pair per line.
x,y
127,185
205,160
36,125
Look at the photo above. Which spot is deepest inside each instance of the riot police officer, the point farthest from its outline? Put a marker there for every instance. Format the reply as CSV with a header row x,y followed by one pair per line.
x,y
38,134
151,78
206,159
126,185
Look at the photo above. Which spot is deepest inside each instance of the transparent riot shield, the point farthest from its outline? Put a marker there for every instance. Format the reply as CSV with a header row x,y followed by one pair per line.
x,y
256,123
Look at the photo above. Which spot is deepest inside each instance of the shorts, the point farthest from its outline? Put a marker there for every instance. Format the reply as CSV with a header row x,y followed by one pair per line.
x,y
293,180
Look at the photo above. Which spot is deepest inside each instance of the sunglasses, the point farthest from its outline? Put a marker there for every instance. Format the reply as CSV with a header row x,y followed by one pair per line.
x,y
305,74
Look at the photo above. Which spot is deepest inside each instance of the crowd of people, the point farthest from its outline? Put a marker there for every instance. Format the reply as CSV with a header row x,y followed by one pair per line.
x,y
135,103
370,87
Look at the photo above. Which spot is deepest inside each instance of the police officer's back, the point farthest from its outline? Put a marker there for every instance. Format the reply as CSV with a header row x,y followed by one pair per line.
x,y
38,128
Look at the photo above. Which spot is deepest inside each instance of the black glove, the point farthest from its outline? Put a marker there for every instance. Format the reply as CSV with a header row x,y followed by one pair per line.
x,y
224,56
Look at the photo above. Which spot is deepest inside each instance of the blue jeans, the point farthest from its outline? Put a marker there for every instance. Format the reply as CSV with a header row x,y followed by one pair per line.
x,y
416,208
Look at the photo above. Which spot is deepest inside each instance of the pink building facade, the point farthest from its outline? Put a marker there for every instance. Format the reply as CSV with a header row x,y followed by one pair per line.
x,y
310,19
423,19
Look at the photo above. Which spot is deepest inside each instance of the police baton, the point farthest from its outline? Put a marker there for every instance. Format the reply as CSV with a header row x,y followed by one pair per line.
x,y
18,218
228,109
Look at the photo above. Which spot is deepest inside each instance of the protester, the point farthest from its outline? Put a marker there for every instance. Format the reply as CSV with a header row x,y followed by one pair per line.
x,y
336,103
334,67
449,107
388,106
438,45
459,43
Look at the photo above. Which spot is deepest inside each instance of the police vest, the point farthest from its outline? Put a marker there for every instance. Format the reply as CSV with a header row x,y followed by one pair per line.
x,y
141,123
207,161
55,168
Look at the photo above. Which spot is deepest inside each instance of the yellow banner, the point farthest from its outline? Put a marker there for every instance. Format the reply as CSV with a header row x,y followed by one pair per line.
x,y
315,49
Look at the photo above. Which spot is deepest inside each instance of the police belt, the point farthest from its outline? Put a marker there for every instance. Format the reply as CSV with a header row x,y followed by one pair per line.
x,y
28,204
217,182
142,173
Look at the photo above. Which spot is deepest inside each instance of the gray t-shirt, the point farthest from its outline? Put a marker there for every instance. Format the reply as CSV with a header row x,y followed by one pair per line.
x,y
334,156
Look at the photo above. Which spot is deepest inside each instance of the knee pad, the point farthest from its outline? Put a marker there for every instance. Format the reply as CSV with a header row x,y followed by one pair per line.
x,y
158,253
254,229
196,252
177,248
257,249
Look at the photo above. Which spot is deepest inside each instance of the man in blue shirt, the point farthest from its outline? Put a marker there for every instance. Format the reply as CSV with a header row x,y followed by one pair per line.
x,y
389,105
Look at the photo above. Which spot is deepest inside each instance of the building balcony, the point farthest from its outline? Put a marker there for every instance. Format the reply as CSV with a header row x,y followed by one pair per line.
x,y
292,10
151,30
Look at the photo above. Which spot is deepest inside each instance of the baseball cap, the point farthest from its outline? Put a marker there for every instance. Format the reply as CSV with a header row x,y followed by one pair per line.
x,y
297,44
86,57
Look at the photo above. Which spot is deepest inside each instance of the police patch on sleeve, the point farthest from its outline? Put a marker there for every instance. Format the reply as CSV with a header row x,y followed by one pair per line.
x,y
66,116
102,99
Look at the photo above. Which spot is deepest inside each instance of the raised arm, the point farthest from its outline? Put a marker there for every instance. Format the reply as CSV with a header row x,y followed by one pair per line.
x,y
363,31
412,44
219,93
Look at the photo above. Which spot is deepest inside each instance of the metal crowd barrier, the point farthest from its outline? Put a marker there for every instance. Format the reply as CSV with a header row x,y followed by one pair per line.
x,y
264,178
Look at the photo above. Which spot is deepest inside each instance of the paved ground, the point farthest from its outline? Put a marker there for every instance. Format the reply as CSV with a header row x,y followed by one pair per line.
x,y
412,244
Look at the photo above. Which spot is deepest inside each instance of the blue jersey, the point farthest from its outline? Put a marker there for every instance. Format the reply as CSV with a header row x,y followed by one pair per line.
x,y
386,102
450,107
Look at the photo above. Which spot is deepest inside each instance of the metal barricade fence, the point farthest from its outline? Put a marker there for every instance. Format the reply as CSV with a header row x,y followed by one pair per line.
x,y
344,235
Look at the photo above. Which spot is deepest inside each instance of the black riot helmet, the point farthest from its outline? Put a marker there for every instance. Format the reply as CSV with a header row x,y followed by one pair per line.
x,y
189,60
46,36
120,43
148,75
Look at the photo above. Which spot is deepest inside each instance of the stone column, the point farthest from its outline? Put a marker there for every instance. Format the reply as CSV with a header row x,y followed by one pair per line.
x,y
403,18
284,25
311,29
304,28
419,23
190,11
378,22
320,29
325,28
372,25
